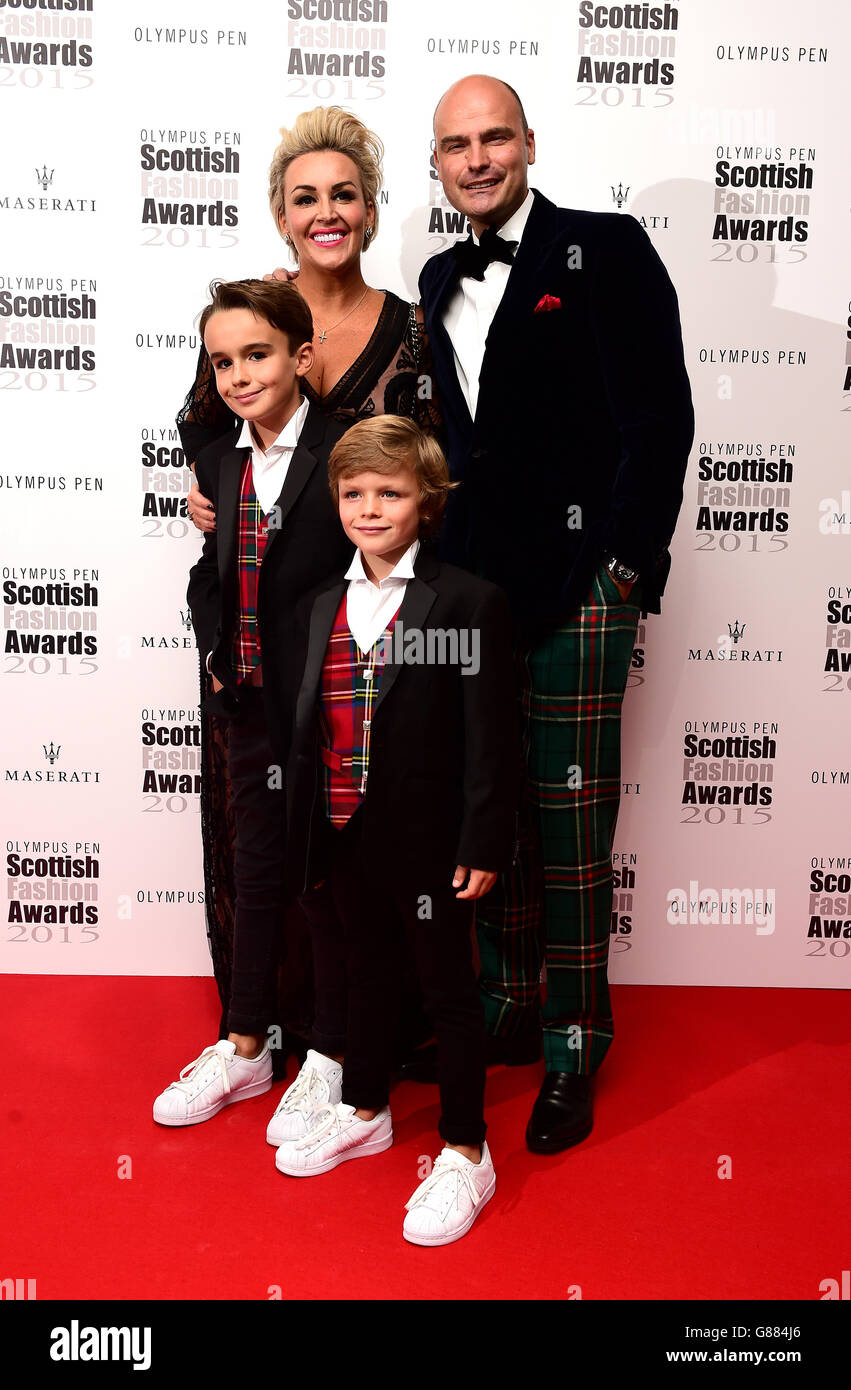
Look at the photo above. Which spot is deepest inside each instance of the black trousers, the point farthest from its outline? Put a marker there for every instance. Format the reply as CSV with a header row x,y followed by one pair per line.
x,y
365,925
258,869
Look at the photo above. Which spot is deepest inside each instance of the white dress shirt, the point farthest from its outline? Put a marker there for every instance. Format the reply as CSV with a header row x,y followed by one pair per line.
x,y
471,309
371,607
269,469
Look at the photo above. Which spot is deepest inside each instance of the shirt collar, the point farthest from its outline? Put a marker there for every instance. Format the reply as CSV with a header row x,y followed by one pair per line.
x,y
287,439
516,225
403,570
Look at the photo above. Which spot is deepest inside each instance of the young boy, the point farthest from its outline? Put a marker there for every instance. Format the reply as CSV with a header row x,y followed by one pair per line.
x,y
402,789
277,537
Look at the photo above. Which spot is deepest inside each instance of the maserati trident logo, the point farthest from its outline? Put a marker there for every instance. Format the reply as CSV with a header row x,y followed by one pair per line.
x,y
50,752
729,647
43,179
186,618
619,194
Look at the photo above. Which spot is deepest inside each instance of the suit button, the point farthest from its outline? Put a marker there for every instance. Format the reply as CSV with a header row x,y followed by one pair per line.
x,y
478,453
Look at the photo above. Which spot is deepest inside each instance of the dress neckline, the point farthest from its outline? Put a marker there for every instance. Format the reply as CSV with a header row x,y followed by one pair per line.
x,y
330,399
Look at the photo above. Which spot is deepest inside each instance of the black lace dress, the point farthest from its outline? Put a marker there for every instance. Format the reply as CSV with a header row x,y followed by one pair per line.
x,y
383,380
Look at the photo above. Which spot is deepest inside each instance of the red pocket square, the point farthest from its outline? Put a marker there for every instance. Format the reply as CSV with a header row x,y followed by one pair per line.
x,y
548,302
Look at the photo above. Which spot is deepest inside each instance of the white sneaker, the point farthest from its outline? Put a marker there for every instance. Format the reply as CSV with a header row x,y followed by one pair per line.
x,y
447,1202
215,1079
335,1136
319,1083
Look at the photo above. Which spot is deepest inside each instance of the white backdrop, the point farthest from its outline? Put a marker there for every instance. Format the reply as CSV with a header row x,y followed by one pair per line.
x,y
637,106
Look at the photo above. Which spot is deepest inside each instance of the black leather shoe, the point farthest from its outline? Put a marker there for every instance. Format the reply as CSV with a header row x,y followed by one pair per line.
x,y
562,1115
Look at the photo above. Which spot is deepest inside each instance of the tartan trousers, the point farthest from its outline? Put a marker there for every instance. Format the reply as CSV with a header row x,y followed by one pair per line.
x,y
554,905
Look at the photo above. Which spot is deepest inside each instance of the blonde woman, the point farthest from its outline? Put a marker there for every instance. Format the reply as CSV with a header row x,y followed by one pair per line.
x,y
369,347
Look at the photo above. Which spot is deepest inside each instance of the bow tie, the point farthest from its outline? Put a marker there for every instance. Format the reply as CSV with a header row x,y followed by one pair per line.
x,y
473,260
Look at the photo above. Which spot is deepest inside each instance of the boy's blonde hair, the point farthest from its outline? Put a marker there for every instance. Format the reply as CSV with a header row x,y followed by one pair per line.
x,y
384,444
328,128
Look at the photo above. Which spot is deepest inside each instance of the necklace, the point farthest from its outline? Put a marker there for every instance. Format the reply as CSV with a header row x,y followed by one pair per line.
x,y
325,331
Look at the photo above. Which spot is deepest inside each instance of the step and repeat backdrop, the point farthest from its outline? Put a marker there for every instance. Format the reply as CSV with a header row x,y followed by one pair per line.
x,y
134,171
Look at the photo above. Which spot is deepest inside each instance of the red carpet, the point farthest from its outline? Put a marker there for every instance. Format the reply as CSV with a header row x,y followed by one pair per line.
x,y
636,1212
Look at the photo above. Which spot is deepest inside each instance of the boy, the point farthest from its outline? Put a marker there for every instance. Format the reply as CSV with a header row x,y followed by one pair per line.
x,y
402,789
277,537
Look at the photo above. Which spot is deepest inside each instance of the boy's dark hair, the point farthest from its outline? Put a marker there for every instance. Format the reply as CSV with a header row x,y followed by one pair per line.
x,y
385,444
276,301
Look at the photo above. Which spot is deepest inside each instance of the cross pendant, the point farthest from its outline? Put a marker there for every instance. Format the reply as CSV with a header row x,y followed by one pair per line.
x,y
322,336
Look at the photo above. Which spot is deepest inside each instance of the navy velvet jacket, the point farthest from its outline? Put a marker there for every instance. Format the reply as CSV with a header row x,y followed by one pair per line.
x,y
584,402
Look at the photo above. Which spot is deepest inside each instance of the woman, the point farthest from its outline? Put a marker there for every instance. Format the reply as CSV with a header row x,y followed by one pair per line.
x,y
370,352
369,344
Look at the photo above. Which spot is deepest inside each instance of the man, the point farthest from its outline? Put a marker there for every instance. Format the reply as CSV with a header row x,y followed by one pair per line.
x,y
570,489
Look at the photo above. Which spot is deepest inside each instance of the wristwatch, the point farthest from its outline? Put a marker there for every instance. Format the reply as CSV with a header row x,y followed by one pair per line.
x,y
621,574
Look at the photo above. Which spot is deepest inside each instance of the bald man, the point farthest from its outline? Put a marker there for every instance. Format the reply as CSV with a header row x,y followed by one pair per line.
x,y
559,364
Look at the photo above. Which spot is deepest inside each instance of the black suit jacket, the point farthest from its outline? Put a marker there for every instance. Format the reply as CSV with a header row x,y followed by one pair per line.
x,y
587,404
444,759
307,546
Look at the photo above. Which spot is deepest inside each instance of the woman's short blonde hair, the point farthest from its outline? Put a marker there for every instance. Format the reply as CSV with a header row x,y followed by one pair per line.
x,y
328,128
385,444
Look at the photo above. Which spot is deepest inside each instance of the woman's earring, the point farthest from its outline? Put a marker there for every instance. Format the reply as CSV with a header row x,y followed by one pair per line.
x,y
367,234
288,241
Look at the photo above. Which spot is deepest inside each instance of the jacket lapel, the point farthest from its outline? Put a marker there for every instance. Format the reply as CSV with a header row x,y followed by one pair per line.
x,y
416,606
501,348
446,281
230,475
322,617
301,466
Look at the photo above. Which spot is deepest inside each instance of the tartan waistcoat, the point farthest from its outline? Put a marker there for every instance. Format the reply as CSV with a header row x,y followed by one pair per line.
x,y
252,533
347,692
